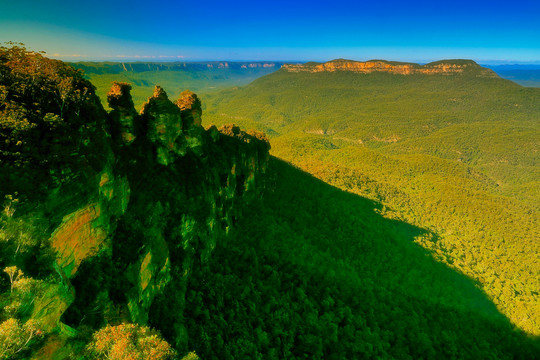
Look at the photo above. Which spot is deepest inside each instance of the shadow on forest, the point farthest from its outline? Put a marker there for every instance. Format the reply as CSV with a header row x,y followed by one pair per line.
x,y
313,271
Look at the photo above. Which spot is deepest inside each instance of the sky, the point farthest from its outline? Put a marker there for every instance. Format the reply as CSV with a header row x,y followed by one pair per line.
x,y
492,32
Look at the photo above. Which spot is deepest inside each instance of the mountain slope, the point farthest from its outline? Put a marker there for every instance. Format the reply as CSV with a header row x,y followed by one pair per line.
x,y
456,153
106,214
148,236
337,282
198,77
525,75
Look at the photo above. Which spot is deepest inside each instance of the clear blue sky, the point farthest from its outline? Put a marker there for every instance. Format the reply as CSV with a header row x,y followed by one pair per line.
x,y
486,31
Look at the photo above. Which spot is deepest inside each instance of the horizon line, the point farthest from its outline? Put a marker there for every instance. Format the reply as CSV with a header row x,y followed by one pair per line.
x,y
162,59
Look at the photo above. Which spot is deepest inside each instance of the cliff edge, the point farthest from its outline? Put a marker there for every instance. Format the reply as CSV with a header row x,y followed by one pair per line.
x,y
443,67
107,214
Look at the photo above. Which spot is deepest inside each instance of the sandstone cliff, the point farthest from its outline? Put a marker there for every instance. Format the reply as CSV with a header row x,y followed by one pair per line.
x,y
443,67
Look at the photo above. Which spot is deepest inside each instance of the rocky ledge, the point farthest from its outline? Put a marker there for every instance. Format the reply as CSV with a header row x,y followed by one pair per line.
x,y
443,67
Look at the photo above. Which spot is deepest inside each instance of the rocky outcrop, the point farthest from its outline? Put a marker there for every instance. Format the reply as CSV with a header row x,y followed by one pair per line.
x,y
163,126
443,67
188,186
190,106
146,205
123,115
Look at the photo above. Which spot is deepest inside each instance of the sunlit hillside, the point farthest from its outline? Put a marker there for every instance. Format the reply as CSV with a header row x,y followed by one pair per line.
x,y
173,77
453,153
145,235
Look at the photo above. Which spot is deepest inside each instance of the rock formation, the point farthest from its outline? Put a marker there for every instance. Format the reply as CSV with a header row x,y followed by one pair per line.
x,y
145,202
190,105
443,67
123,116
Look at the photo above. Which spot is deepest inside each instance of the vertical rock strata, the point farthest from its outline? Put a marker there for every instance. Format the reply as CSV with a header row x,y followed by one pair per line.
x,y
167,192
123,113
444,67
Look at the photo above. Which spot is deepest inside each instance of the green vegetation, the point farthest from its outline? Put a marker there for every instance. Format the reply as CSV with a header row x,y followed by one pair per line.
x,y
104,215
129,342
50,118
338,281
457,155
173,77
145,236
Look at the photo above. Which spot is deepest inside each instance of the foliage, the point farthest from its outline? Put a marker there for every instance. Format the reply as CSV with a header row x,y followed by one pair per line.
x,y
191,356
199,77
454,154
22,240
49,118
129,342
339,281
15,337
14,275
308,271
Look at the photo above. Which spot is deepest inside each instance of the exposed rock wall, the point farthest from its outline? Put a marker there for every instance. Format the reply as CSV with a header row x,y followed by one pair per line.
x,y
126,233
444,67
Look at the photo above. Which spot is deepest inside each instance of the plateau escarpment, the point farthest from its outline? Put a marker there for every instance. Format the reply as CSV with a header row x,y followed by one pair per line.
x,y
138,67
443,67
125,205
451,152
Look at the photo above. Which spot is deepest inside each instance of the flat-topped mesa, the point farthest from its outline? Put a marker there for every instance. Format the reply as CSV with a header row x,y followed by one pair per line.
x,y
443,67
123,115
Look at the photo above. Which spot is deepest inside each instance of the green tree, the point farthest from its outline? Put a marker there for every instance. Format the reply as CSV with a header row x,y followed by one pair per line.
x,y
16,337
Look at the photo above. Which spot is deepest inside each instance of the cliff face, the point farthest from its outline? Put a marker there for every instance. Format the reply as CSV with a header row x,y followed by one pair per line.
x,y
444,67
128,225
171,190
136,67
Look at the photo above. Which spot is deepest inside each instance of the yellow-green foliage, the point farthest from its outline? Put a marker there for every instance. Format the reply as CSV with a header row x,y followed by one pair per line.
x,y
454,154
16,337
173,77
49,117
337,281
129,342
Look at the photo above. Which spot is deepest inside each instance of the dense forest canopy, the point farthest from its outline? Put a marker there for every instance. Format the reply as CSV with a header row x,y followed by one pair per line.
x,y
144,235
456,154
50,118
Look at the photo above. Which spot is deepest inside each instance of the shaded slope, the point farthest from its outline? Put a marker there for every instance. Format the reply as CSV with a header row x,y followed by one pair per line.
x,y
457,154
105,215
337,282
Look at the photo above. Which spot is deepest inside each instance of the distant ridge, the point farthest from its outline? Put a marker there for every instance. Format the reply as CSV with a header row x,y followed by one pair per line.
x,y
441,67
108,67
